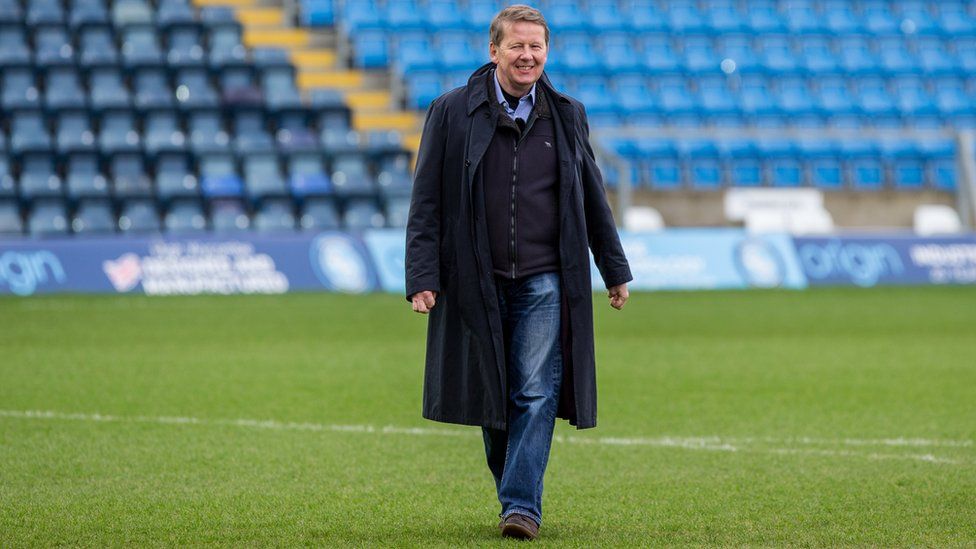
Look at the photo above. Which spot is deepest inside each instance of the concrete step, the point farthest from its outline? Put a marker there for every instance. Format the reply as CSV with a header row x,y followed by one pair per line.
x,y
376,120
339,79
276,38
251,17
313,60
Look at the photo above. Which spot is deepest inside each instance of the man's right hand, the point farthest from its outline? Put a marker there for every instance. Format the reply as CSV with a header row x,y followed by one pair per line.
x,y
423,301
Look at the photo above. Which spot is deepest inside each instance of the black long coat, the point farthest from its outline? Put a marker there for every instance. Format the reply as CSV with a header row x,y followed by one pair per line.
x,y
447,252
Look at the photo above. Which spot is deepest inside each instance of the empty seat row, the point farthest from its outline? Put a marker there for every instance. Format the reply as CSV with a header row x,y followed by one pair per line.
x,y
826,164
211,175
118,13
52,217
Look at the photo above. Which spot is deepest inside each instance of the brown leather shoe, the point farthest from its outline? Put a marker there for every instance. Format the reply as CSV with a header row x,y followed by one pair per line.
x,y
519,527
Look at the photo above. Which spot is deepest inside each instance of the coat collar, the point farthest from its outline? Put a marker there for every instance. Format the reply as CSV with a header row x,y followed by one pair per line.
x,y
477,91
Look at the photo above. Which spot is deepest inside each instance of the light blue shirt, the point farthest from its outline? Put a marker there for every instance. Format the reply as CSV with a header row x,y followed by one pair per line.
x,y
524,105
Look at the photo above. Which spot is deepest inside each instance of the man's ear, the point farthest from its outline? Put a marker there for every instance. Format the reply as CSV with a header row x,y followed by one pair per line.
x,y
493,52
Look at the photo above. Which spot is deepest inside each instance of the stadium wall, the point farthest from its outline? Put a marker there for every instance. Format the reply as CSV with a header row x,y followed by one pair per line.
x,y
675,259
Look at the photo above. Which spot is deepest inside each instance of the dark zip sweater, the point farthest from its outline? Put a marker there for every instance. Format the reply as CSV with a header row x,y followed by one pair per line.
x,y
521,186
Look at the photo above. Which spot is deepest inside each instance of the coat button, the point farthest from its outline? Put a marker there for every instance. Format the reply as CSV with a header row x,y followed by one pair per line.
x,y
467,162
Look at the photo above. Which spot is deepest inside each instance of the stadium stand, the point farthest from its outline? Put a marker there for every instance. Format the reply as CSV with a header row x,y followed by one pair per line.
x,y
224,115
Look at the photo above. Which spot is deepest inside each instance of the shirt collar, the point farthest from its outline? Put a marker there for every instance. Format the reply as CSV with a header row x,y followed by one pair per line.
x,y
501,97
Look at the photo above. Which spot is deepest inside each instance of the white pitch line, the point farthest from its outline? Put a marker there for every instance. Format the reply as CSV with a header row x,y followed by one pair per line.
x,y
720,444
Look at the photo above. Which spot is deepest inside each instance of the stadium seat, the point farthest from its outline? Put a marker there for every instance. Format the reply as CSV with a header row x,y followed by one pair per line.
x,y
93,216
96,48
306,175
185,217
73,132
38,178
14,51
218,176
604,16
777,55
702,164
659,56
11,224
84,178
250,133
822,163
699,55
162,133
129,178
736,54
44,13
8,187
207,132
362,213
278,86
816,55
48,217
801,17
350,175
174,178
781,164
319,214
904,162
644,17
118,133
151,90
397,211
140,47
225,47
107,90
865,170
64,89
52,47
87,14
275,215
878,17
19,90
131,12
764,17
393,176
840,17
741,162
194,90
228,215
262,176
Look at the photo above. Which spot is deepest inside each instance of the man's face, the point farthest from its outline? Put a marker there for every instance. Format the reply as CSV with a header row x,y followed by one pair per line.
x,y
520,56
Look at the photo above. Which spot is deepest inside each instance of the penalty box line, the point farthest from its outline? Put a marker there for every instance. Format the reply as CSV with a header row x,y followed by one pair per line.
x,y
714,443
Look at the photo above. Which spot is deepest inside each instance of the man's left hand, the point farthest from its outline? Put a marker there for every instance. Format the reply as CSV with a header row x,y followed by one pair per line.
x,y
618,295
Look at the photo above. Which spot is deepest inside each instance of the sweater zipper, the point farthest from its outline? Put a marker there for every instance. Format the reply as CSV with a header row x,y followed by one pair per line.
x,y
512,209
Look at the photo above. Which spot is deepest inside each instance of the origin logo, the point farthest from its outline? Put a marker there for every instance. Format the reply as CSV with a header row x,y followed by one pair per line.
x,y
24,272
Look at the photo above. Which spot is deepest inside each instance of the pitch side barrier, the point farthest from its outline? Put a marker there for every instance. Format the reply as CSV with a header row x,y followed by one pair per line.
x,y
674,259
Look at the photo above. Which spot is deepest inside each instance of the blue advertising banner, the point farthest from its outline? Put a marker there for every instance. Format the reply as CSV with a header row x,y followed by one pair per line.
x,y
333,261
697,259
879,260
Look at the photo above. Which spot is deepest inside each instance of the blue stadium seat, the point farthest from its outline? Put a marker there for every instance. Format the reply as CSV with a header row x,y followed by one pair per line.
x,y
64,90
413,52
715,97
935,58
118,133
151,90
371,48
912,98
840,17
684,17
802,18
44,13
967,62
350,175
456,51
781,163
777,55
702,164
904,162
659,158
793,97
955,19
174,179
764,17
48,217
52,47
10,12
14,51
19,90
755,97
659,56
816,55
194,89
229,215
280,92
479,14
295,132
93,216
140,47
306,175
175,13
362,213
444,15
129,178
405,15
423,87
951,97
107,90
319,214
139,216
88,14
38,178
251,133
873,97
916,17
857,56
184,47
207,132
218,176
131,12
737,49
618,52
566,16
604,16
699,56
397,211
594,93
864,167
11,223
28,133
96,48
674,96
724,16
275,215
894,56
225,47
239,89
73,132
741,161
83,177
822,163
262,176
8,187
362,14
185,217
878,17
833,96
644,17
161,132
393,175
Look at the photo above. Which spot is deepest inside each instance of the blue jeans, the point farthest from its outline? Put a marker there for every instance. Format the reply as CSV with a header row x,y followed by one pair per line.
x,y
530,310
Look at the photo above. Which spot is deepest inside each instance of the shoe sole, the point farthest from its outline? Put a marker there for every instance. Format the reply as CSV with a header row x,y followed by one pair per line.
x,y
517,531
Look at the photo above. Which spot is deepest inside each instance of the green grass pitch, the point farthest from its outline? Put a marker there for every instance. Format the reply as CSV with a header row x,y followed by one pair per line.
x,y
817,418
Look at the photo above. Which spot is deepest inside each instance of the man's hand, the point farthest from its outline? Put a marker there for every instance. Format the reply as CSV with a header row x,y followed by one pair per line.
x,y
423,301
618,295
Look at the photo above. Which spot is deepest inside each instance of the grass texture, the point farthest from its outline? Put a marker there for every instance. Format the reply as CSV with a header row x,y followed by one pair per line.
x,y
834,417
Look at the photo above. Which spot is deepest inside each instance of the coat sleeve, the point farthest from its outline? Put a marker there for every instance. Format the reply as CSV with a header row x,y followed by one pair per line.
x,y
422,261
600,227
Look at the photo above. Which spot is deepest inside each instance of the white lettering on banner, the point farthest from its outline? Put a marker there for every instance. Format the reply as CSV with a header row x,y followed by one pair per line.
x,y
944,255
188,268
666,270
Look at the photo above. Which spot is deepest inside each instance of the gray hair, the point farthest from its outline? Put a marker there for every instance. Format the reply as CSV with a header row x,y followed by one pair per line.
x,y
511,14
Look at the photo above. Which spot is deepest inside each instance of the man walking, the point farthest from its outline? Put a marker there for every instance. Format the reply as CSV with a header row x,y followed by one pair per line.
x,y
507,202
